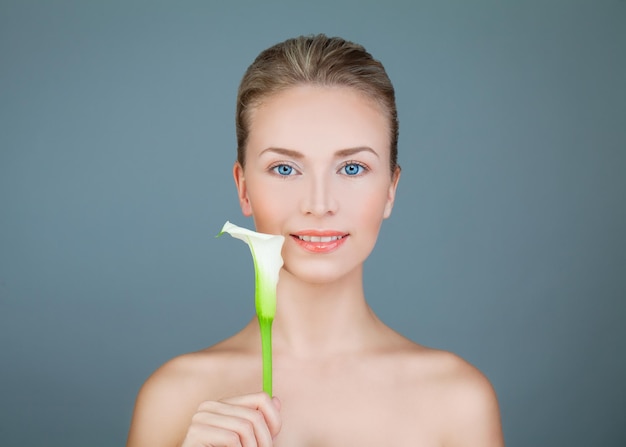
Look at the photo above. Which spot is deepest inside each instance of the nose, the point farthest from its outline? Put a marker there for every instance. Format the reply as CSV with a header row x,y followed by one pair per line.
x,y
318,199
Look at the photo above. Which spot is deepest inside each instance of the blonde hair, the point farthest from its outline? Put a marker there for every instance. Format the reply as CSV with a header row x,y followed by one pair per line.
x,y
318,60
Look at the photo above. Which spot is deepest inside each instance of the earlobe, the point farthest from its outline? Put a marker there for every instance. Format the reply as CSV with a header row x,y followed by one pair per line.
x,y
391,196
242,192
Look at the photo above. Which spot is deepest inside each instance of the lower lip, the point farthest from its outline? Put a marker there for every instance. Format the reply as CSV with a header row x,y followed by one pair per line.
x,y
320,247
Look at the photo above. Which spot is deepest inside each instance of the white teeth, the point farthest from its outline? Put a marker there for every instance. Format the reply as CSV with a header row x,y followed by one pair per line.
x,y
319,238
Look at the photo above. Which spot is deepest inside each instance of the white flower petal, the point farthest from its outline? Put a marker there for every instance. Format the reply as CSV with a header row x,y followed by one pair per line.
x,y
266,254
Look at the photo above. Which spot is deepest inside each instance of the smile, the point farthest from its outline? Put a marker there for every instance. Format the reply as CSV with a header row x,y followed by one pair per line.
x,y
320,243
319,238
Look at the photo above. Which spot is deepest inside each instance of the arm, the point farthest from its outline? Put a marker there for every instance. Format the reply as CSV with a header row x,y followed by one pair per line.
x,y
161,411
473,411
169,412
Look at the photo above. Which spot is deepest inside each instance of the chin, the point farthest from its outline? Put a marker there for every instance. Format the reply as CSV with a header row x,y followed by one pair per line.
x,y
320,274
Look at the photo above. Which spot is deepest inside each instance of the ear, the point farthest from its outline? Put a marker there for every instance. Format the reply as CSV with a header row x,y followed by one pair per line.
x,y
242,190
391,194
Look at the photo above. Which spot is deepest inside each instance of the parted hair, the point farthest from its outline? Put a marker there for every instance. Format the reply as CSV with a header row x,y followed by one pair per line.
x,y
314,60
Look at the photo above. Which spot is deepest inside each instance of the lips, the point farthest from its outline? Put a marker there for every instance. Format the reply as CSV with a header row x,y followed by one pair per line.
x,y
320,241
307,238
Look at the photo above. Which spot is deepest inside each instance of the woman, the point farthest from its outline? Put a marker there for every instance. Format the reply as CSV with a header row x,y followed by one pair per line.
x,y
317,162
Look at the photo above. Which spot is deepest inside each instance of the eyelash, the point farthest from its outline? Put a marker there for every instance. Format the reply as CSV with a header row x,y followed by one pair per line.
x,y
363,168
274,169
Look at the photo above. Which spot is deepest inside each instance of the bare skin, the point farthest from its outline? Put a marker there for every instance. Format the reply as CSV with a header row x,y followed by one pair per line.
x,y
341,377
387,392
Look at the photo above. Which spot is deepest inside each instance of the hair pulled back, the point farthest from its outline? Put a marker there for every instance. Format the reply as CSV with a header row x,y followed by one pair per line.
x,y
314,60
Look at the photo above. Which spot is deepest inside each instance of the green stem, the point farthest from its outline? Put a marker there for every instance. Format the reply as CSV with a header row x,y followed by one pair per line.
x,y
266,348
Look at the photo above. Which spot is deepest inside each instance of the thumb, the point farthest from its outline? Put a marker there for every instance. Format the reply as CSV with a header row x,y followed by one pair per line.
x,y
277,403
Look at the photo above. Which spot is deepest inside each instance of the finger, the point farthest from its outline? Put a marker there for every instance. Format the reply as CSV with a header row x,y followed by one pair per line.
x,y
249,424
201,435
263,403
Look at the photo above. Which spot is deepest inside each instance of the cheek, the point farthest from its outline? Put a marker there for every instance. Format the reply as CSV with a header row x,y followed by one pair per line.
x,y
269,207
367,207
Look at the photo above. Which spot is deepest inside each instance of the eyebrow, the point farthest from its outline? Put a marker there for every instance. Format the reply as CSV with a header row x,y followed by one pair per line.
x,y
298,155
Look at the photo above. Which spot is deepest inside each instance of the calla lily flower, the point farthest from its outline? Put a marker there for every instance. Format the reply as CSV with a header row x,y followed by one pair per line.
x,y
265,249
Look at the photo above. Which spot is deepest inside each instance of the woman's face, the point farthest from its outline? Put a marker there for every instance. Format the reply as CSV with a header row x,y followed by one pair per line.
x,y
317,172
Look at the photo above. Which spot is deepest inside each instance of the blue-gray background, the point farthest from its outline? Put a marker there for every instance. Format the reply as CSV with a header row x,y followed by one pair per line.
x,y
507,244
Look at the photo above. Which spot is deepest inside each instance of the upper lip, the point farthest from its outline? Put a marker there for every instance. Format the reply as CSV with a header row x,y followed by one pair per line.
x,y
319,234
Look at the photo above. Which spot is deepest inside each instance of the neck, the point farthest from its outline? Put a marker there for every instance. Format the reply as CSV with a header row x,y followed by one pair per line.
x,y
323,319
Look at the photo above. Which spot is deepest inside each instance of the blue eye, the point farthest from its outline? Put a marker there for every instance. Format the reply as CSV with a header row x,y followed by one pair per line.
x,y
353,168
283,170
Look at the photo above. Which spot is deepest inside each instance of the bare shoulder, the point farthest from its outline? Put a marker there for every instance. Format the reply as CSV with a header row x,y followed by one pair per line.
x,y
168,399
463,400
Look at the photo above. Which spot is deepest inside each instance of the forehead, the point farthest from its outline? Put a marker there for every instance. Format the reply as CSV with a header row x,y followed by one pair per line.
x,y
321,117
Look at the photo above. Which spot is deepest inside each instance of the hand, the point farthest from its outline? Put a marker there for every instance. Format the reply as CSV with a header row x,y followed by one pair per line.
x,y
252,420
